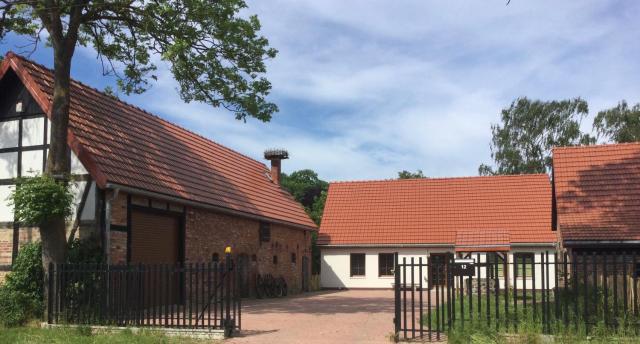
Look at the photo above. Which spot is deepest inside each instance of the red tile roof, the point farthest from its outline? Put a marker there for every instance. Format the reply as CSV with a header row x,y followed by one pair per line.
x,y
472,240
125,145
598,192
432,211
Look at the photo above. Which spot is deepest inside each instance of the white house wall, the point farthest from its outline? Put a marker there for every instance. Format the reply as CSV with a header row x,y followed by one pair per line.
x,y
6,211
335,271
33,135
9,134
519,282
335,267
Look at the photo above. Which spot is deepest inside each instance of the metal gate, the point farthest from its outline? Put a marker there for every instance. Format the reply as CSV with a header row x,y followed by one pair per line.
x,y
551,291
144,295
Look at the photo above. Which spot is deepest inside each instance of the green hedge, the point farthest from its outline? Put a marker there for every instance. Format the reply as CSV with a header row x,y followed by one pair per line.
x,y
21,295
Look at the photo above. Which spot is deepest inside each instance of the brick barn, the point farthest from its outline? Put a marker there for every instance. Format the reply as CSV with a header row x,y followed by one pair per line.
x,y
148,190
597,197
488,219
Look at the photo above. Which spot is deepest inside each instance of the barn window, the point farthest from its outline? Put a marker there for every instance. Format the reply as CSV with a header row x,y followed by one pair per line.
x,y
357,264
385,264
265,232
523,264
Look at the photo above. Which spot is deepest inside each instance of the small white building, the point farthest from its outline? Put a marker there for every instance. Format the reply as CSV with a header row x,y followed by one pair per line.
x,y
498,218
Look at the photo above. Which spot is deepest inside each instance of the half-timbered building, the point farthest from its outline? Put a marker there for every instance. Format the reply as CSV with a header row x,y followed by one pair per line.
x,y
148,190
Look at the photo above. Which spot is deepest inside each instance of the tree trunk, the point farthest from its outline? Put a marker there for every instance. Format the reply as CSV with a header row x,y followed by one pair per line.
x,y
53,233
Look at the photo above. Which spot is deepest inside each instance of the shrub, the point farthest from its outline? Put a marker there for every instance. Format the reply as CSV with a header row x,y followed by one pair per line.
x,y
38,199
85,251
21,296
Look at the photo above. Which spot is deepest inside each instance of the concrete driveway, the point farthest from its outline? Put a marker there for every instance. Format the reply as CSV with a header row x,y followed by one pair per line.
x,y
352,316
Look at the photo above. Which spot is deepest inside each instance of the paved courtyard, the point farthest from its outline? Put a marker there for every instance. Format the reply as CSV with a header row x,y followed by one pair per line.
x,y
351,316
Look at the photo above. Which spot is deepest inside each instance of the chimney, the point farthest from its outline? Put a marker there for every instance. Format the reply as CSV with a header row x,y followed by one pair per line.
x,y
276,156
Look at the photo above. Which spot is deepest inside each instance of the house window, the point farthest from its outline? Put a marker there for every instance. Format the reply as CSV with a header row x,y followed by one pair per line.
x,y
215,257
385,264
357,264
275,259
265,232
492,260
523,264
293,258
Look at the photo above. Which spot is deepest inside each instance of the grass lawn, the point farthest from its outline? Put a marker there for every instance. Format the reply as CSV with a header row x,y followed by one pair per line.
x,y
525,325
81,335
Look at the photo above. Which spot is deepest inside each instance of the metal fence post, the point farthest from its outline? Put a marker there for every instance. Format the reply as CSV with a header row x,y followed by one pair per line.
x,y
396,286
228,322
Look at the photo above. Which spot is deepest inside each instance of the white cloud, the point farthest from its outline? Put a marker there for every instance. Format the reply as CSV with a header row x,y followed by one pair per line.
x,y
369,88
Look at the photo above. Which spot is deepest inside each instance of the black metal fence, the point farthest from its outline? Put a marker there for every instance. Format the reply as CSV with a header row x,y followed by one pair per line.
x,y
547,291
193,296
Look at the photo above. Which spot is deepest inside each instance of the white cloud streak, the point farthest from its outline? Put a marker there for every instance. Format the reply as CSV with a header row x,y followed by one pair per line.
x,y
368,88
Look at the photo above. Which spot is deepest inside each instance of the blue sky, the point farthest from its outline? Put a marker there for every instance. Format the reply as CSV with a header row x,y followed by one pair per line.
x,y
368,88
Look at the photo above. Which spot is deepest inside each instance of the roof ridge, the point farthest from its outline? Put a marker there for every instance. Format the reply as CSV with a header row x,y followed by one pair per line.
x,y
11,54
597,146
439,178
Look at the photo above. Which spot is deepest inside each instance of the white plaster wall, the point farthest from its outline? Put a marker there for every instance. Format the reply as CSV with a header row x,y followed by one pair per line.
x,y
519,282
89,207
8,165
6,212
76,165
335,269
31,163
32,131
9,134
33,134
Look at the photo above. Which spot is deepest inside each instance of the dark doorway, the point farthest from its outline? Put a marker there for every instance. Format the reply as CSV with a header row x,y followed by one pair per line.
x,y
305,273
438,268
244,274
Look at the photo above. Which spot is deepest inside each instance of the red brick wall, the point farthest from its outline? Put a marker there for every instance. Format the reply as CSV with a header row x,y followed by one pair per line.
x,y
118,247
208,232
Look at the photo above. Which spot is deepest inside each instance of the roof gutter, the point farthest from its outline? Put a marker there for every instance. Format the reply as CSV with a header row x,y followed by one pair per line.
x,y
174,199
570,243
536,244
386,245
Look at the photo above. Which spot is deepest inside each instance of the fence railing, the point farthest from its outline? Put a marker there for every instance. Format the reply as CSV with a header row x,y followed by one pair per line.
x,y
193,296
549,291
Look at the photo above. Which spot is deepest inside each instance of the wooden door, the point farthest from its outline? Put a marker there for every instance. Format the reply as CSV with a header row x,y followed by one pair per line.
x,y
154,240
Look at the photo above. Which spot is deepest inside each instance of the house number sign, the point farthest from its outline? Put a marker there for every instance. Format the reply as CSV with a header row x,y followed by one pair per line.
x,y
463,267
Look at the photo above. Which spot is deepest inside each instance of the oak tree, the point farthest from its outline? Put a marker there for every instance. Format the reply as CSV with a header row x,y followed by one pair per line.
x,y
215,54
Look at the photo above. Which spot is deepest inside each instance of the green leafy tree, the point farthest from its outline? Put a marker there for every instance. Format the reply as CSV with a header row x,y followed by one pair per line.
x,y
304,186
215,55
522,143
404,174
38,200
619,124
311,192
